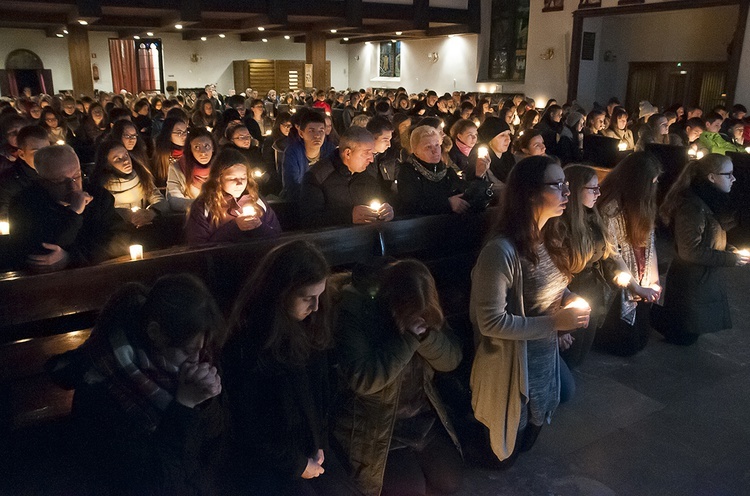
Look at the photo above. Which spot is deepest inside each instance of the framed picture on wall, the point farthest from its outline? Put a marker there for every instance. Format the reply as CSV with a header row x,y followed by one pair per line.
x,y
589,4
553,5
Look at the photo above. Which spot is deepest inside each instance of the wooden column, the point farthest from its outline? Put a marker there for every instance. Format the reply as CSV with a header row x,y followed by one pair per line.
x,y
315,45
80,61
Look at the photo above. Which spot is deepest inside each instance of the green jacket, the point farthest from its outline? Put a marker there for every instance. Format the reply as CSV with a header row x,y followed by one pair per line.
x,y
372,356
716,144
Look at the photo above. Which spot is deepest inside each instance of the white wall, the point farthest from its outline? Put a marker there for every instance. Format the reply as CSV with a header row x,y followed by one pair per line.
x,y
589,69
455,69
52,51
693,35
742,93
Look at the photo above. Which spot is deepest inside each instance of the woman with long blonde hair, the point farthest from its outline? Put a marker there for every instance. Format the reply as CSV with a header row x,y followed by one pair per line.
x,y
229,208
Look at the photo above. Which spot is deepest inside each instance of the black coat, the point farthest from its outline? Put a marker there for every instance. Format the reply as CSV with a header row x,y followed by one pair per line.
x,y
421,196
98,234
330,191
13,181
695,299
279,412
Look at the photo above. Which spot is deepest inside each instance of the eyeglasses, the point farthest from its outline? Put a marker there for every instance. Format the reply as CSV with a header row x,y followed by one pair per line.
x,y
180,133
724,173
593,189
131,136
242,137
559,185
65,181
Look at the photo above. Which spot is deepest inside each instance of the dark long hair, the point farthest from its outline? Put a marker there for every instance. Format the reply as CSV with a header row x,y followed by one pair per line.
x,y
630,186
163,149
515,217
695,171
190,162
103,171
407,289
260,319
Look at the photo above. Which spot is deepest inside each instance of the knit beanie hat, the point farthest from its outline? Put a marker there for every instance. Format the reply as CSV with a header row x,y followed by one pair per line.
x,y
646,110
491,127
573,119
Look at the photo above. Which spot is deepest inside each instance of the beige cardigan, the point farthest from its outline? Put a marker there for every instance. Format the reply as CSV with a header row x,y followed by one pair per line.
x,y
499,375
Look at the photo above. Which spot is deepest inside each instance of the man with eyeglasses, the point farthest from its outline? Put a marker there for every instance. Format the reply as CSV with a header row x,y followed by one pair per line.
x,y
57,223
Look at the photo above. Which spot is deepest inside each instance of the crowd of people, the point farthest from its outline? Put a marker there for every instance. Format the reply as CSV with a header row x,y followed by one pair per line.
x,y
321,383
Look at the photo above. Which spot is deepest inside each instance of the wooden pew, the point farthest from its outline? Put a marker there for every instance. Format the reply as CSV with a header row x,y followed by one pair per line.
x,y
447,244
740,199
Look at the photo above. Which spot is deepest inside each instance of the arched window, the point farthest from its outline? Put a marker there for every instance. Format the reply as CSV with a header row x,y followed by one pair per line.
x,y
23,59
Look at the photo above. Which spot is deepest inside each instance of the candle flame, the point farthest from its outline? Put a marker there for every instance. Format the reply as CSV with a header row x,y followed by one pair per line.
x,y
622,146
268,132
4,228
482,152
135,209
744,252
699,155
60,142
248,210
257,173
578,303
136,252
692,152
622,279
375,205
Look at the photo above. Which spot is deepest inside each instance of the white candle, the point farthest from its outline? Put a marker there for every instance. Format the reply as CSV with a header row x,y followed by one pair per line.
x,y
622,146
622,279
4,228
209,128
293,110
136,252
521,133
442,125
747,149
60,142
482,152
578,303
691,152
699,155
248,210
135,209
744,252
268,132
257,173
328,114
476,121
375,206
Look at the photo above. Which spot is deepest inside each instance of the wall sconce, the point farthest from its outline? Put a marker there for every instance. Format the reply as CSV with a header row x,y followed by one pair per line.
x,y
548,54
433,57
195,58
356,57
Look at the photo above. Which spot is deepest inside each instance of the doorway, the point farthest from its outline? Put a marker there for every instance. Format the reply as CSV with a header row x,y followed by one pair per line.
x,y
24,69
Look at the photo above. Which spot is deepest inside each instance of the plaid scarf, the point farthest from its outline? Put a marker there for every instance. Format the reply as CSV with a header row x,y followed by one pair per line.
x,y
143,385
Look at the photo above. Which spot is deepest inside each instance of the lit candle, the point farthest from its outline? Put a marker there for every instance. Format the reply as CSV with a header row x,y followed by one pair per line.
x,y
375,206
442,125
655,287
248,210
622,279
691,152
578,303
257,173
747,149
135,209
60,142
516,120
622,146
293,110
268,132
4,228
482,152
521,133
476,121
699,155
209,128
136,252
328,114
744,252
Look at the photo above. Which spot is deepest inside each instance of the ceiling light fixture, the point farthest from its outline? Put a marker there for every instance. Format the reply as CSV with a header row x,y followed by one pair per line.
x,y
178,26
203,38
287,37
65,31
136,37
399,33
82,22
451,35
59,35
264,40
333,31
149,33
393,41
346,39
222,35
261,28
367,42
